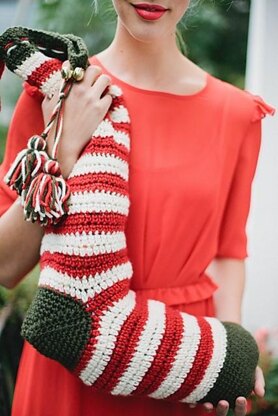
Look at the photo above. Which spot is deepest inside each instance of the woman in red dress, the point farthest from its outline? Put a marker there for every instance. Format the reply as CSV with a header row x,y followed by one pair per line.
x,y
194,147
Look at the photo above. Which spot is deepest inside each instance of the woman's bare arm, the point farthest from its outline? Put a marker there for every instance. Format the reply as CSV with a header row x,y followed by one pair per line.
x,y
229,274
19,246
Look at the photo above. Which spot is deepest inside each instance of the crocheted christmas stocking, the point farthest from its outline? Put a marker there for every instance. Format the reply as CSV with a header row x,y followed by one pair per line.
x,y
84,314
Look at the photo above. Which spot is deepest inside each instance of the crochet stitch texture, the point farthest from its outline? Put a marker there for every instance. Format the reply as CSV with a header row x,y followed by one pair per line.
x,y
84,314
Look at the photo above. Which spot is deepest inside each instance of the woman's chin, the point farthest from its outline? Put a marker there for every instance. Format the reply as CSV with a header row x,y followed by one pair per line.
x,y
146,35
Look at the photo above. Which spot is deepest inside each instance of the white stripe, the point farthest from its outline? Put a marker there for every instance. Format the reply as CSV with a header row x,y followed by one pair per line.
x,y
52,84
31,64
97,163
145,350
111,323
184,358
85,287
119,115
98,201
85,244
115,91
106,129
217,361
122,138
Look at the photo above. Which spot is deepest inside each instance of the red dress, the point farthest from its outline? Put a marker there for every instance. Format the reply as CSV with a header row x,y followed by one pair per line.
x,y
192,162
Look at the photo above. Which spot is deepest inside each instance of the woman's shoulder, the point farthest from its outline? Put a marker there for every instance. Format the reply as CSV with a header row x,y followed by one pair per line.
x,y
239,103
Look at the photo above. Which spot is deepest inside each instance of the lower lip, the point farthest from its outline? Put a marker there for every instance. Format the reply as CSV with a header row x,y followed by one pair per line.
x,y
150,15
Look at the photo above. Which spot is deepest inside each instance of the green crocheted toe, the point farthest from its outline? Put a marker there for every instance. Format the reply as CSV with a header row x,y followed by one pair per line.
x,y
57,326
240,365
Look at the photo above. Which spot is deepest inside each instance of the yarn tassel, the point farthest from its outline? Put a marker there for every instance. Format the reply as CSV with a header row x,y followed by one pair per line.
x,y
46,199
37,177
28,163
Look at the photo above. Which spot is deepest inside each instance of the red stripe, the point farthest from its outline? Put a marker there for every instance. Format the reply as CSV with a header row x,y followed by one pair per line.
x,y
125,127
77,266
117,102
43,72
165,355
100,144
201,362
101,300
99,181
92,150
125,347
89,222
120,146
96,307
122,127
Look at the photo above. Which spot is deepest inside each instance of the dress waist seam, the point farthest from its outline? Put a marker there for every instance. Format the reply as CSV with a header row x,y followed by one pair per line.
x,y
201,289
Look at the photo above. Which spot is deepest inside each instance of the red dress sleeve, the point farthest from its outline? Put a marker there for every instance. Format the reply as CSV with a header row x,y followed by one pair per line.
x,y
232,237
26,121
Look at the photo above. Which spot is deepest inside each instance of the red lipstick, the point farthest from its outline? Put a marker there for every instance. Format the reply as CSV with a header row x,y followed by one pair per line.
x,y
150,11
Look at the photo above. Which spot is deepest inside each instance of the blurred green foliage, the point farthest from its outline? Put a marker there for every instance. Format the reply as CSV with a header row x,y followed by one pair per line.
x,y
79,18
216,34
3,135
21,296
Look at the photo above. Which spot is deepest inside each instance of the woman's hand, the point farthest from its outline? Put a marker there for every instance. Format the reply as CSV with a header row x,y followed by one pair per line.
x,y
241,403
85,108
259,389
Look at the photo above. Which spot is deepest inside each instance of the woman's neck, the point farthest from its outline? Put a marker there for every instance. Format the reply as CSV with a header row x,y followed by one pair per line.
x,y
152,65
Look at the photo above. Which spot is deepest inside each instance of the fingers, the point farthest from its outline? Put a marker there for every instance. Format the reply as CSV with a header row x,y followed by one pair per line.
x,y
222,408
48,105
91,75
94,83
259,388
94,79
106,101
241,407
101,84
208,407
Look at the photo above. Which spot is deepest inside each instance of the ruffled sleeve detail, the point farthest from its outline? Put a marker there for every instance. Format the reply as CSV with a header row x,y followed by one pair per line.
x,y
262,109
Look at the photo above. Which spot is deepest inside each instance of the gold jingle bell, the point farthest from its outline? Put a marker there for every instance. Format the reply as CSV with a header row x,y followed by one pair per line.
x,y
78,74
66,73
